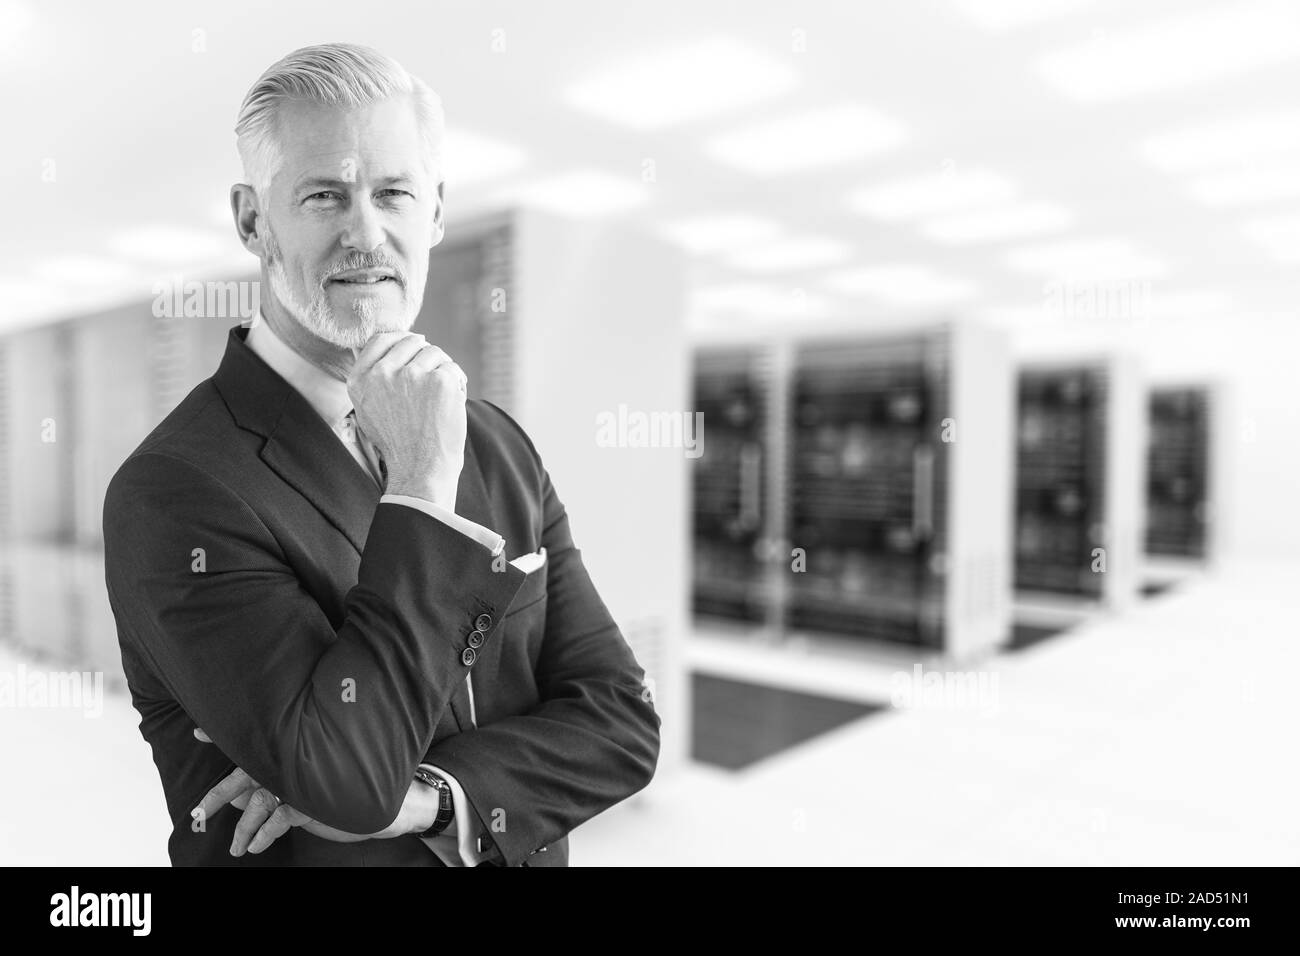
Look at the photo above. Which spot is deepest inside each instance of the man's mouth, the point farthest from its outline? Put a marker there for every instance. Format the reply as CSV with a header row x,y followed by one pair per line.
x,y
364,276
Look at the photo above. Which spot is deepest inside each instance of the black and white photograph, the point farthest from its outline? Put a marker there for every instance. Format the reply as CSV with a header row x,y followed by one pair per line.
x,y
505,434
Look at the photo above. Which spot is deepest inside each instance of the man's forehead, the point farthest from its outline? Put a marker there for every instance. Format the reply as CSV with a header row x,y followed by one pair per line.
x,y
363,165
379,140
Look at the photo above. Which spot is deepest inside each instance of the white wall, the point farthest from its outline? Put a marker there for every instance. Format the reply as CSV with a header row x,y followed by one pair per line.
x,y
599,315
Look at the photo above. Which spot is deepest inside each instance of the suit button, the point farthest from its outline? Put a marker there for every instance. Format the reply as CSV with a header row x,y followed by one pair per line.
x,y
467,656
483,622
475,638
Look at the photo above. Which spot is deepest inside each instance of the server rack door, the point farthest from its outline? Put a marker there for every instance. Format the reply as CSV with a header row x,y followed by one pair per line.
x,y
729,489
865,476
1061,481
1178,472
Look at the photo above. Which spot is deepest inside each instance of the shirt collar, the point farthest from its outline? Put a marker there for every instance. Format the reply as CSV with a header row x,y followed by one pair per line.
x,y
325,393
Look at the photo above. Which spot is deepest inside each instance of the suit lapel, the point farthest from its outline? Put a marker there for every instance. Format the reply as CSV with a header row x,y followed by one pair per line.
x,y
299,447
303,450
306,454
309,456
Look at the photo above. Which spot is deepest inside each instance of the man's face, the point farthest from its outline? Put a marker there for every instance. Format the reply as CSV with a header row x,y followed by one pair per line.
x,y
353,211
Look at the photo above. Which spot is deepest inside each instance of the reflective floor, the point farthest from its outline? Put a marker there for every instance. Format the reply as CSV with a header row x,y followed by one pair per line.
x,y
1161,737
735,724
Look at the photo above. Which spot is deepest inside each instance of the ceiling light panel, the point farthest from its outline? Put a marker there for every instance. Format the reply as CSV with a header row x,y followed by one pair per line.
x,y
1250,185
1277,235
799,252
690,82
816,139
1003,16
913,197
1192,49
757,300
708,235
1088,259
1001,223
904,284
1231,141
583,194
471,158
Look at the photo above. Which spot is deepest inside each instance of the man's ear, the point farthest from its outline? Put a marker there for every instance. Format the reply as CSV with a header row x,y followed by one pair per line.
x,y
439,228
248,216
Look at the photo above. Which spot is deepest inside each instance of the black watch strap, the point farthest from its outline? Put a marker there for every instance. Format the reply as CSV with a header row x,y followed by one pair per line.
x,y
446,810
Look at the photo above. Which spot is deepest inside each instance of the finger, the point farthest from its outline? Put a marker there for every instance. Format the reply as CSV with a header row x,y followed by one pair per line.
x,y
400,353
200,735
428,359
260,807
454,371
235,783
375,349
276,826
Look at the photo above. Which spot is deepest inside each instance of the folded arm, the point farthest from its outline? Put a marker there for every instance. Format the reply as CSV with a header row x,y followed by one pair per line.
x,y
593,738
333,722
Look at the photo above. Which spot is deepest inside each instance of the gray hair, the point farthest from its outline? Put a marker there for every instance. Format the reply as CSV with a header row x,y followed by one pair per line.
x,y
335,74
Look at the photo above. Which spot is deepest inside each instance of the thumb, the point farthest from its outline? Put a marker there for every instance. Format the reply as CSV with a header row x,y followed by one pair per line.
x,y
200,735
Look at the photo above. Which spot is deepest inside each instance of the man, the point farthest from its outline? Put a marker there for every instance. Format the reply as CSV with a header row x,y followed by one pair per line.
x,y
347,598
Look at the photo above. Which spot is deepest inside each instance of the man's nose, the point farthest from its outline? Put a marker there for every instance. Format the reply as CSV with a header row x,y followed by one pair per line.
x,y
364,231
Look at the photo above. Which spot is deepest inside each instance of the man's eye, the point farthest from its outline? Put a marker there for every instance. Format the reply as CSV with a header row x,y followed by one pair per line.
x,y
323,196
395,192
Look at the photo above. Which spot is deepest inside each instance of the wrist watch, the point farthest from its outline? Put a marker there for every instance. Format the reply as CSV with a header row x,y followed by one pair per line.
x,y
446,810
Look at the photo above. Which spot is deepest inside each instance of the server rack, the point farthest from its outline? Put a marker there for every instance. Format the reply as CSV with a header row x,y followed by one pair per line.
x,y
729,487
885,478
1078,485
1061,480
1187,480
866,481
1178,473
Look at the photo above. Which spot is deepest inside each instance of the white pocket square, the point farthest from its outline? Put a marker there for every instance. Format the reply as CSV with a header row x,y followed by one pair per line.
x,y
528,563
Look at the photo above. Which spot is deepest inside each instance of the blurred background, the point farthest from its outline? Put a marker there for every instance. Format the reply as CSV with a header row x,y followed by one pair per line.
x,y
919,379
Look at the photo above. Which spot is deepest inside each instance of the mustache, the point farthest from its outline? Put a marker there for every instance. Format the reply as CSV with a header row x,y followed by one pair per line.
x,y
361,261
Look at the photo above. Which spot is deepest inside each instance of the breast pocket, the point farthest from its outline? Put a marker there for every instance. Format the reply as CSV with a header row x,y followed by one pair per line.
x,y
505,680
533,589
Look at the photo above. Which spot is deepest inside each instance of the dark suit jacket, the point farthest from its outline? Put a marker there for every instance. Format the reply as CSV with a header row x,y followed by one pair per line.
x,y
256,579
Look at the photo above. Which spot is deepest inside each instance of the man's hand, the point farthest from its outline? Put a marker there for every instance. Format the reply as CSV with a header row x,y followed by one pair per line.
x,y
409,398
266,819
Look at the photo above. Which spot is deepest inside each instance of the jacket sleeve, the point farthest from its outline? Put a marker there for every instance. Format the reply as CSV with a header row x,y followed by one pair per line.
x,y
593,738
332,722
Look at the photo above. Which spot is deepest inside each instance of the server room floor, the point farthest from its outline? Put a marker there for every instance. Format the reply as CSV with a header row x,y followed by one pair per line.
x,y
1163,736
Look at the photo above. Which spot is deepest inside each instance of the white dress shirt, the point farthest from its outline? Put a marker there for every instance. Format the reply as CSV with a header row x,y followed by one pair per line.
x,y
329,397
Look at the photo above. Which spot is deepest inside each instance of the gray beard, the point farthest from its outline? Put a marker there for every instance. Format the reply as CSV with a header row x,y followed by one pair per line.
x,y
318,316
